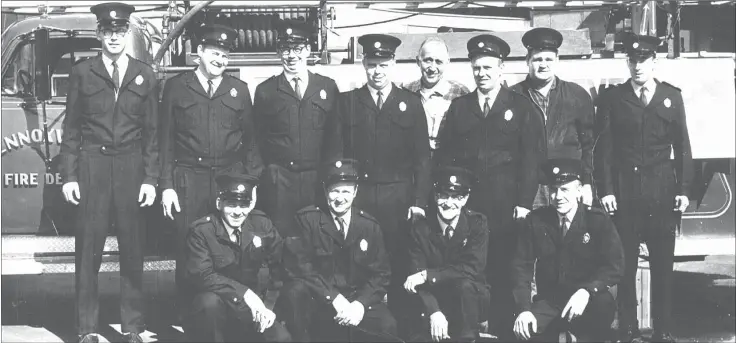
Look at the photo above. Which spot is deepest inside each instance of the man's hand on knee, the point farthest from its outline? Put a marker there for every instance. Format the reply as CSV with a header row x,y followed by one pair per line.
x,y
525,325
438,326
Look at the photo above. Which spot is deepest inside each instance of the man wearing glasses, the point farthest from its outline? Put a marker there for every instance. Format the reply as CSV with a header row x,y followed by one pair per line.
x,y
206,130
109,163
295,128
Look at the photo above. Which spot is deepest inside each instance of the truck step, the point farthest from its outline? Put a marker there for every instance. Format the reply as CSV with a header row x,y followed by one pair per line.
x,y
24,246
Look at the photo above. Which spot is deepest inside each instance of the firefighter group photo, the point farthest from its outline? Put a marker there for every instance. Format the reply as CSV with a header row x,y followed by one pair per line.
x,y
424,211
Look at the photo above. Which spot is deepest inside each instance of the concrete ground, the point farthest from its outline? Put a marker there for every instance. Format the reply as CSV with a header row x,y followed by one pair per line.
x,y
41,308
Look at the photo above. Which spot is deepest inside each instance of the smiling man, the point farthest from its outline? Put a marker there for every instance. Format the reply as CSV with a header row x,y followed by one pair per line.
x,y
574,253
223,256
206,130
436,91
297,130
564,108
110,166
493,133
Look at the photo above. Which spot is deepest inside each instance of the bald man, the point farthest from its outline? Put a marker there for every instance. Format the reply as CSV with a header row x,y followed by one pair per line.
x,y
436,91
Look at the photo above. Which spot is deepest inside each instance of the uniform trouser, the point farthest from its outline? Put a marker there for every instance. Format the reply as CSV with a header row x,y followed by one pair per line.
x,y
462,301
212,320
389,204
285,192
593,325
309,320
197,191
654,224
109,187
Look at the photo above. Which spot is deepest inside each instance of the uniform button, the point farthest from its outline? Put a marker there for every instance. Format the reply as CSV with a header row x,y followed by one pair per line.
x,y
636,169
199,159
208,218
370,308
235,299
291,163
595,290
366,176
434,279
103,148
328,297
422,314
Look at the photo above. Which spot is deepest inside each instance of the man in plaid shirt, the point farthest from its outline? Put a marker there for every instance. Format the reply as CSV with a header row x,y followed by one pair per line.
x,y
436,91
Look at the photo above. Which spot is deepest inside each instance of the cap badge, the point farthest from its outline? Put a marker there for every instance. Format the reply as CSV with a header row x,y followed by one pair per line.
x,y
338,164
667,102
586,238
257,242
363,245
241,188
113,14
323,94
453,179
402,106
508,115
635,45
377,45
139,81
233,92
555,170
288,31
223,36
480,44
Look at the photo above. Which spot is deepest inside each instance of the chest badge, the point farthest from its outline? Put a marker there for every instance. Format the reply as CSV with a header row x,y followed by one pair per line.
x,y
586,238
402,106
257,242
323,94
508,115
233,92
363,245
139,80
465,242
667,102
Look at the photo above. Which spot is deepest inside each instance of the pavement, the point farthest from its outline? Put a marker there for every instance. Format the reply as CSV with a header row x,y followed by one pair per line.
x,y
41,308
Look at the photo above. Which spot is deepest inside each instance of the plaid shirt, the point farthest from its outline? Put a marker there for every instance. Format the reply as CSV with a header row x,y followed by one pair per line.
x,y
436,101
541,100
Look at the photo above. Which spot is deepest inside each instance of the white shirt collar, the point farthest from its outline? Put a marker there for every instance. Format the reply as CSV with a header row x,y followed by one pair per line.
x,y
303,77
491,95
385,92
203,80
569,215
346,217
230,231
651,86
444,225
122,63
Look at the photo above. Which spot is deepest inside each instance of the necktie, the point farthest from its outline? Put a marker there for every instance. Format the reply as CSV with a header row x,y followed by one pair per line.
x,y
643,96
236,233
210,89
341,228
486,108
297,89
379,103
115,75
449,231
563,225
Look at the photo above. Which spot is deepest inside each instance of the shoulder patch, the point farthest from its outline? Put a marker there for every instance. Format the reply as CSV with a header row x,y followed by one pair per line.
x,y
670,85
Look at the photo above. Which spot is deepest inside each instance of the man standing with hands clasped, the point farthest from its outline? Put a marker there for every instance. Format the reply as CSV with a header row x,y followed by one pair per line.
x,y
574,253
109,163
642,123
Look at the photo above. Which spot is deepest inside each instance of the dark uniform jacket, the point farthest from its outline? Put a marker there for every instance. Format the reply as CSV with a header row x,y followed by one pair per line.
x,y
463,256
292,133
199,131
95,120
391,142
589,256
501,149
356,267
638,141
569,124
214,263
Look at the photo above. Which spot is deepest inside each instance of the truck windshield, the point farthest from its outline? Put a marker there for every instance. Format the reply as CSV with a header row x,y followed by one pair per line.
x,y
18,80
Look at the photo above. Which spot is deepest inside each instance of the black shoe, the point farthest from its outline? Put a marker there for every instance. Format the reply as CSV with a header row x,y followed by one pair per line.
x,y
133,338
664,337
89,338
630,334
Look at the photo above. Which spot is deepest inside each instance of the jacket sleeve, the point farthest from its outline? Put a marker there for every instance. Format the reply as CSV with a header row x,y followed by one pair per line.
x,y
151,161
260,120
332,139
418,263
308,269
422,169
445,138
523,267
472,259
603,147
584,125
275,249
379,269
683,153
253,162
166,136
611,258
530,136
72,130
200,270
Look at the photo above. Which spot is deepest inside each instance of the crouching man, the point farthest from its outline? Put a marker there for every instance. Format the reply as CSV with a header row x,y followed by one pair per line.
x,y
224,252
578,257
336,294
448,252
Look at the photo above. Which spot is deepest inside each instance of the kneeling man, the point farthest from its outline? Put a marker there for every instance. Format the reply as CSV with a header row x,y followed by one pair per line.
x,y
578,257
337,291
448,252
224,252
